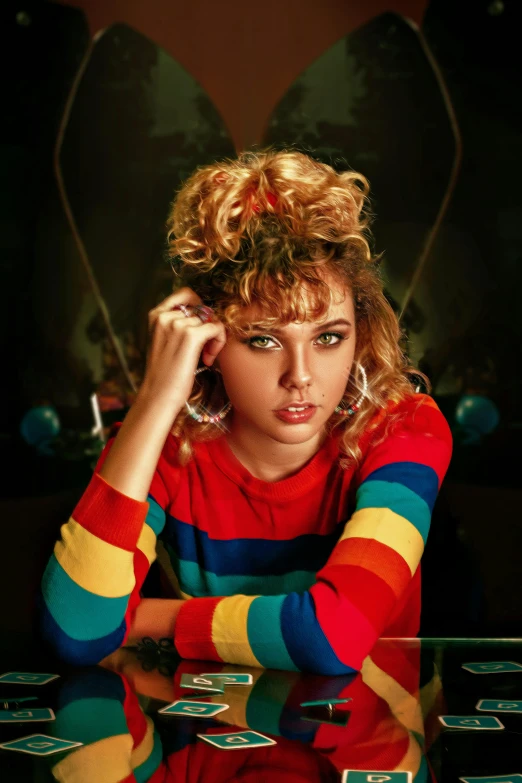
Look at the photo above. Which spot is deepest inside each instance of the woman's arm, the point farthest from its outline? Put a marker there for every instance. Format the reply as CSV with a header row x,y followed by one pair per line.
x,y
368,579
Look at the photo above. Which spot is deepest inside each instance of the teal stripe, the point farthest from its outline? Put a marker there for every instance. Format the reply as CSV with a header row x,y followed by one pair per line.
x,y
264,633
81,614
148,767
197,582
155,516
398,498
266,702
423,773
90,720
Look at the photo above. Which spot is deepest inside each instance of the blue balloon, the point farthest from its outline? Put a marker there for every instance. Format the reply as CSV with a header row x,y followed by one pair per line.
x,y
39,426
478,415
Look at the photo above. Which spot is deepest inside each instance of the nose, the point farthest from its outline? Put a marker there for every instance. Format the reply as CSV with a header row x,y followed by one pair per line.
x,y
297,373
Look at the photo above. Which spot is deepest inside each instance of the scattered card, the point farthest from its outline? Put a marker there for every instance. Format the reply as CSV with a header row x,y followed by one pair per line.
x,y
231,678
239,739
193,709
371,776
26,716
39,745
199,683
27,678
326,702
494,705
492,667
473,722
517,778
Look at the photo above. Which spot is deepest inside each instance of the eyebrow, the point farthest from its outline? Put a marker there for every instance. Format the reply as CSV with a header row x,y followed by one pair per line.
x,y
320,327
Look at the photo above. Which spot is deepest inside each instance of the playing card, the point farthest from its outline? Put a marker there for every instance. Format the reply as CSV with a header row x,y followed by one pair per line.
x,y
494,705
326,702
517,778
473,722
39,745
193,709
199,683
492,667
231,678
239,739
370,776
27,678
26,716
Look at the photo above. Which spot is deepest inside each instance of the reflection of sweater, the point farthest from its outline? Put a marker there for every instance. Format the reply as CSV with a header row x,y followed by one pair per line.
x,y
279,579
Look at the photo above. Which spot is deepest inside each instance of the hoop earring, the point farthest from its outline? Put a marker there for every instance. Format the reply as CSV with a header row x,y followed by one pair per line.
x,y
205,418
357,404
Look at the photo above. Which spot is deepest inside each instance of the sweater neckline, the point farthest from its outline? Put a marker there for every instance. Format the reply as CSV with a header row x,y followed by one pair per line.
x,y
309,475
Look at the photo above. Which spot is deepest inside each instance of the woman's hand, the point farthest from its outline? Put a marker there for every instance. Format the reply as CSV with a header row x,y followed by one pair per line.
x,y
176,344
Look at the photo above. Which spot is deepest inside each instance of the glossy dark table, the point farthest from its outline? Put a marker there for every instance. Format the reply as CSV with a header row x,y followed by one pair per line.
x,y
390,723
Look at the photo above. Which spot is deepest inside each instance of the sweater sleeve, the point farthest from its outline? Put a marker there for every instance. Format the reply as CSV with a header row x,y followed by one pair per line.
x,y
91,585
331,628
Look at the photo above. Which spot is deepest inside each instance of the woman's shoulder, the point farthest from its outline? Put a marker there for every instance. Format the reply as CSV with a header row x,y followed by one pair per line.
x,y
414,413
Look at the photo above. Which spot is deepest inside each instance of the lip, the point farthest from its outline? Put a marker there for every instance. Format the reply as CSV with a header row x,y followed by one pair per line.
x,y
296,417
298,404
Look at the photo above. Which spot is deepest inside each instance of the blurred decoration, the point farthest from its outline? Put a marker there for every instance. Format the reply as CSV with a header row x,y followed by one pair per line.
x,y
476,416
39,427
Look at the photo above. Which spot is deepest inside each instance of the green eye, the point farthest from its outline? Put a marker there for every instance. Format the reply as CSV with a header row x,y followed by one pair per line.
x,y
338,337
254,341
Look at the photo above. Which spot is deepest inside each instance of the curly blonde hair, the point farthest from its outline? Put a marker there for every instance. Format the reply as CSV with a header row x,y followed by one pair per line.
x,y
260,230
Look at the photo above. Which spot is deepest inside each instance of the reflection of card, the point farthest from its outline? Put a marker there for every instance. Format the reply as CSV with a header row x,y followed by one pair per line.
x,y
199,683
367,776
26,716
39,745
473,722
517,778
231,678
494,705
194,709
326,702
27,678
239,739
492,667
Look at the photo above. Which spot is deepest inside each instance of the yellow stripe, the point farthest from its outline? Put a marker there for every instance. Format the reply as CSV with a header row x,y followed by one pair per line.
x,y
147,543
95,565
229,630
144,749
405,707
384,525
107,760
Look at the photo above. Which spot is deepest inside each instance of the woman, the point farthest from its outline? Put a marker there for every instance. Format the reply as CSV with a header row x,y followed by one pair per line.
x,y
291,483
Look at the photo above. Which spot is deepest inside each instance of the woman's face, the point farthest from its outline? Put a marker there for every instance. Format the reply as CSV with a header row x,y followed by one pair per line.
x,y
296,365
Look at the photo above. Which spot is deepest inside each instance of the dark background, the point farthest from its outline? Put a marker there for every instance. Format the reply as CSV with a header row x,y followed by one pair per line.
x,y
109,105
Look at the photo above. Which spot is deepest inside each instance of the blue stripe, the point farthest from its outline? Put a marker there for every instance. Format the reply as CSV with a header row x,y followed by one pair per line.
x,y
77,652
82,615
421,479
199,583
155,516
252,556
264,633
398,498
147,768
305,640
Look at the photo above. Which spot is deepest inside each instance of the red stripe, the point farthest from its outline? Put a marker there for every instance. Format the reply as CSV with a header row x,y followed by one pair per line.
x,y
110,515
374,556
193,630
141,567
366,591
134,717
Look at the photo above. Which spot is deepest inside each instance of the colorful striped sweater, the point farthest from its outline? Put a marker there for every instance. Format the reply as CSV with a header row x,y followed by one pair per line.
x,y
300,574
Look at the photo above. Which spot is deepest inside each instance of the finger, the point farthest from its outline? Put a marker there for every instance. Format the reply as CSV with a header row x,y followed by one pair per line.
x,y
183,296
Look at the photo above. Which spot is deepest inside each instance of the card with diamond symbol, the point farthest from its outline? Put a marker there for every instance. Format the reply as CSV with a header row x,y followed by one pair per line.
x,y
231,678
494,705
516,778
39,745
199,683
372,776
237,740
492,667
193,709
474,722
27,678
26,716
